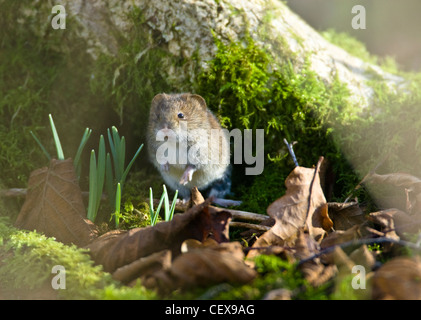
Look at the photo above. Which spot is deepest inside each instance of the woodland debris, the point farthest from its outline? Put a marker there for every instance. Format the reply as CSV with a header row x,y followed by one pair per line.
x,y
54,205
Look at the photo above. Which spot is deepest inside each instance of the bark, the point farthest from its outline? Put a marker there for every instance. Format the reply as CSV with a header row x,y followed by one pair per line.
x,y
185,27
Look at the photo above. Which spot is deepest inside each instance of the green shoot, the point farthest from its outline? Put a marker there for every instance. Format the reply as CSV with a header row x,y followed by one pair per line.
x,y
92,187
172,209
123,178
169,212
117,214
40,145
60,154
96,179
118,150
76,162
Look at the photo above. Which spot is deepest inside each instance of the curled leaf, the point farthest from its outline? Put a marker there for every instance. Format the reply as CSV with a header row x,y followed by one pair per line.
x,y
54,205
114,250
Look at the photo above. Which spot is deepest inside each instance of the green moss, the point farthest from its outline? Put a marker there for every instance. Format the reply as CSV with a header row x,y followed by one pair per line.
x,y
41,73
27,258
274,273
248,90
131,79
31,260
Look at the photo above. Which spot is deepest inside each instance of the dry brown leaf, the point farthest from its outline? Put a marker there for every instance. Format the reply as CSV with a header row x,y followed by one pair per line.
x,y
278,294
143,267
345,215
54,205
203,267
326,222
385,219
338,237
398,279
301,205
364,257
114,250
196,197
313,270
410,186
395,222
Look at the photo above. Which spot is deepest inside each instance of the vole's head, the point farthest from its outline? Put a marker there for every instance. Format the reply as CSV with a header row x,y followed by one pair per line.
x,y
175,111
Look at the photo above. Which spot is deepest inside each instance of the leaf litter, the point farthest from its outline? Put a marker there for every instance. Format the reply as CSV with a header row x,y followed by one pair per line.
x,y
325,241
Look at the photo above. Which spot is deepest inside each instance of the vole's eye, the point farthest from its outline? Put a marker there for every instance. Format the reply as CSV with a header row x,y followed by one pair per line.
x,y
180,115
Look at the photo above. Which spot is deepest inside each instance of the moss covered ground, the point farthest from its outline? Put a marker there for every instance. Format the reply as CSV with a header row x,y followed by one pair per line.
x,y
52,73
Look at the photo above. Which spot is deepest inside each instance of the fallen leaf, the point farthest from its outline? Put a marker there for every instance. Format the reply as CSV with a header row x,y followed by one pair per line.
x,y
395,222
384,218
54,205
364,257
301,205
345,215
398,279
315,272
278,294
326,222
338,237
143,267
114,250
201,267
196,197
410,195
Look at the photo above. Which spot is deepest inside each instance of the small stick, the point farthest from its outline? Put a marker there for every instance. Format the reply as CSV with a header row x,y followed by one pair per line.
x,y
361,242
248,226
249,216
291,151
22,192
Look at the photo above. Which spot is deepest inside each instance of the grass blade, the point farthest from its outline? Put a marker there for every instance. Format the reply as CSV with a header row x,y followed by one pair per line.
x,y
100,171
173,205
83,141
159,208
41,146
117,205
60,154
151,211
123,178
117,153
166,203
92,187
122,157
109,181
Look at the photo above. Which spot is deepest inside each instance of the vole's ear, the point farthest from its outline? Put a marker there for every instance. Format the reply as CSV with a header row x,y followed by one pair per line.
x,y
157,99
199,99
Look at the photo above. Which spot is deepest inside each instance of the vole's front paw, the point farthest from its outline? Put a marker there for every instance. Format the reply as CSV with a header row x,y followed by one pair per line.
x,y
187,175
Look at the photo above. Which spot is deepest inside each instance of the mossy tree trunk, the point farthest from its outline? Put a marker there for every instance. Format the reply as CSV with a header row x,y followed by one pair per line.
x,y
186,29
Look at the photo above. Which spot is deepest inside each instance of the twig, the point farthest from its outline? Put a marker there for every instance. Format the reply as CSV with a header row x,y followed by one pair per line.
x,y
249,216
248,226
22,192
14,192
291,151
361,242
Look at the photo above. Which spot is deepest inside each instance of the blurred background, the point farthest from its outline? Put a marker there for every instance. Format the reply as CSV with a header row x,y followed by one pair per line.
x,y
393,28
